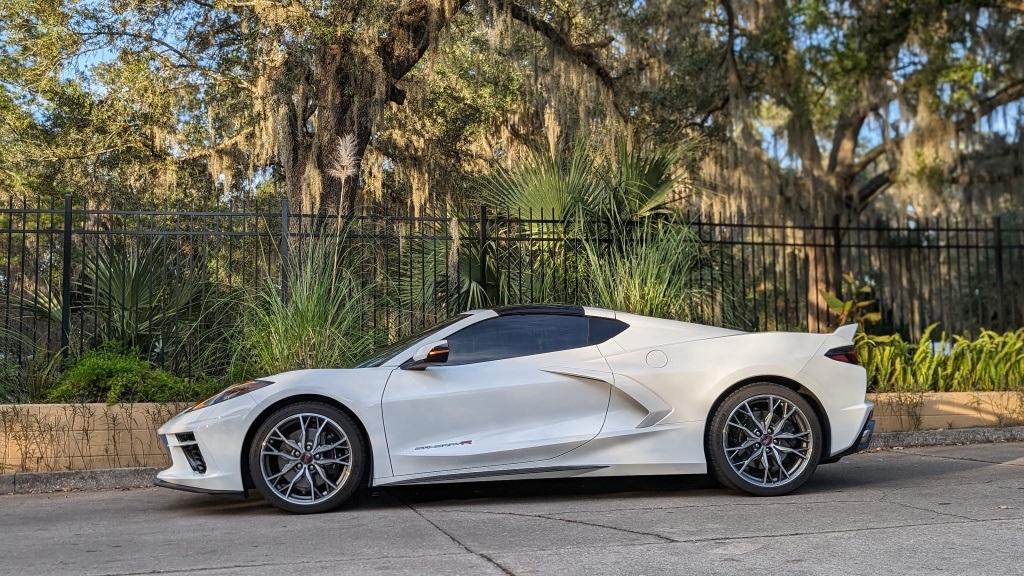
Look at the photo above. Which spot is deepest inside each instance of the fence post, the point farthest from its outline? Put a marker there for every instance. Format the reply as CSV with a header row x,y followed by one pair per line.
x,y
837,257
65,281
997,229
285,257
483,247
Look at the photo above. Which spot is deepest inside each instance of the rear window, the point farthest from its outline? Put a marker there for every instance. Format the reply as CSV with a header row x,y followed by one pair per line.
x,y
604,329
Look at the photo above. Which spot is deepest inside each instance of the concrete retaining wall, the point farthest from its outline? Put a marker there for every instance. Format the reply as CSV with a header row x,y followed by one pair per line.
x,y
903,411
50,437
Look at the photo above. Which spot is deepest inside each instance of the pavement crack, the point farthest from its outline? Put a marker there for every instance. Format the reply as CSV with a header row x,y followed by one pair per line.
x,y
885,498
962,459
616,528
844,530
664,539
483,556
923,509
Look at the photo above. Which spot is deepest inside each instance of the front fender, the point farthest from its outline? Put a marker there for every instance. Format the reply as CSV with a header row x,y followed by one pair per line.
x,y
359,390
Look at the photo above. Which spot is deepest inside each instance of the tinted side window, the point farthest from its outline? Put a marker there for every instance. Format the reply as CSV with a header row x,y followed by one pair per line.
x,y
602,329
518,335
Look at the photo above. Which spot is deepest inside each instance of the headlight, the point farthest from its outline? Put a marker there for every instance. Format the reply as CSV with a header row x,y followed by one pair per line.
x,y
233,391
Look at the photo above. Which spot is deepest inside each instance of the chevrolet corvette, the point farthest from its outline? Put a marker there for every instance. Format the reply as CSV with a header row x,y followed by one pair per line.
x,y
533,392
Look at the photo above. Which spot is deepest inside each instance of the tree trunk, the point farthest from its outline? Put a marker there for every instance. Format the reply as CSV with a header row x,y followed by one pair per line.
x,y
345,114
824,274
818,282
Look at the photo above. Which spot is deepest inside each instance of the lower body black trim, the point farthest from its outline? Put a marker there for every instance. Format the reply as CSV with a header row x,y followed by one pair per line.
x,y
480,474
193,489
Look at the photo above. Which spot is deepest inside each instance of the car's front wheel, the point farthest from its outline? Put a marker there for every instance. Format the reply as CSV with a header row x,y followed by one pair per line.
x,y
307,457
764,439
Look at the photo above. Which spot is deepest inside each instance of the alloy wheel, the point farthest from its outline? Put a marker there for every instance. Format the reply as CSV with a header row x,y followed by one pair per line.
x,y
767,440
306,458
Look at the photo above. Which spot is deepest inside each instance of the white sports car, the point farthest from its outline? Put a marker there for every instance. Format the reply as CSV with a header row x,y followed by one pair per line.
x,y
533,392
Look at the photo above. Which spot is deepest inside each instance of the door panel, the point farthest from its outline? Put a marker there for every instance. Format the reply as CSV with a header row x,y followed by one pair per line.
x,y
498,412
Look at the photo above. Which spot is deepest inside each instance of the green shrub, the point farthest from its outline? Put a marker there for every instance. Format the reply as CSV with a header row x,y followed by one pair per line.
x,y
990,362
111,377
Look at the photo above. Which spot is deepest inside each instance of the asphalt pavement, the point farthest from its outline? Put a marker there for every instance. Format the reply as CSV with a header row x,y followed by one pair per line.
x,y
943,510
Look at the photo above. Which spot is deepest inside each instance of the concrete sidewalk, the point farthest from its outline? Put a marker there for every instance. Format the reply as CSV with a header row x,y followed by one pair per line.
x,y
956,509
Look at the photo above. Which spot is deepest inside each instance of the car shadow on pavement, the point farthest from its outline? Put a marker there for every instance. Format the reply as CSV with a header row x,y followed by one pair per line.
x,y
546,489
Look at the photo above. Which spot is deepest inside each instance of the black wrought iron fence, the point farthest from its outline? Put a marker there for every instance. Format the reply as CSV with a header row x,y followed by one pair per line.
x,y
761,275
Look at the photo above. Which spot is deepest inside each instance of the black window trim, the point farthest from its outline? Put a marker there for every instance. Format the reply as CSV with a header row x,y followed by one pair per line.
x,y
542,310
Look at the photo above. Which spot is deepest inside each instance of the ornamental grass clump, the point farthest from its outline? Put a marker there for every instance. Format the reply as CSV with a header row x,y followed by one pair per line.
x,y
655,272
318,322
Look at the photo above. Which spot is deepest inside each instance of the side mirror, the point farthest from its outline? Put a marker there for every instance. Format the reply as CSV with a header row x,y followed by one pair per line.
x,y
432,353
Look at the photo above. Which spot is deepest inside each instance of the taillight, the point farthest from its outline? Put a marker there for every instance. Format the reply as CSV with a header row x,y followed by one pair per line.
x,y
846,354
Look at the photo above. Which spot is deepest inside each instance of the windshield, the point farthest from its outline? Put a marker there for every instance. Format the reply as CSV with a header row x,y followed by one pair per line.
x,y
385,354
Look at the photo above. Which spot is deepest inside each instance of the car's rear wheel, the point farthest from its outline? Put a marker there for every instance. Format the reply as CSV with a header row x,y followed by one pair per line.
x,y
764,439
307,457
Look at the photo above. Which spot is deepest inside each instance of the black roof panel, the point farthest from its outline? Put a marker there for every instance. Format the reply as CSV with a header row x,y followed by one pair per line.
x,y
557,309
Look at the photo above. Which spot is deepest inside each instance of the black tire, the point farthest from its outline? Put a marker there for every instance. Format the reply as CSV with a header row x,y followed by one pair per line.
x,y
358,455
720,433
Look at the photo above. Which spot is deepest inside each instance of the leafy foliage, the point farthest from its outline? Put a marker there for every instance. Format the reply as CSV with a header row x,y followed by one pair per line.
x,y
833,102
146,297
30,379
112,377
990,362
854,304
620,186
571,196
10,381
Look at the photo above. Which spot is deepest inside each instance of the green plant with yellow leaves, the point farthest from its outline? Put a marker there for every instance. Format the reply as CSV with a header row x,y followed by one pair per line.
x,y
853,304
942,363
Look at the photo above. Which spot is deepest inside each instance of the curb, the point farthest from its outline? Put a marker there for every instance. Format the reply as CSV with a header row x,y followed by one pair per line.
x,y
121,478
105,479
947,437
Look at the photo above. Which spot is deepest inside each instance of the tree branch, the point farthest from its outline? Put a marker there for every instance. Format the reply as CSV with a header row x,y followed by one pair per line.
x,y
709,113
985,106
873,187
584,54
418,26
878,183
188,60
844,143
870,156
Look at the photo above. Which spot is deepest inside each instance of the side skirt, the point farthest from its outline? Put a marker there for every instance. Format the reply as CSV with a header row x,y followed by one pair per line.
x,y
559,471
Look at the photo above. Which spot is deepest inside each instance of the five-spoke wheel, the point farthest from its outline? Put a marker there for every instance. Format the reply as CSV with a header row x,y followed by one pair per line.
x,y
307,457
764,439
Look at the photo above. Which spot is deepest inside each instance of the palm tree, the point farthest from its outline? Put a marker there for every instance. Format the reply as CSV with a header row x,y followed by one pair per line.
x,y
563,221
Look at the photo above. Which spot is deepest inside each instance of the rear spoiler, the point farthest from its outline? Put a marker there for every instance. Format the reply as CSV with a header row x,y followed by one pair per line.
x,y
846,332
